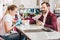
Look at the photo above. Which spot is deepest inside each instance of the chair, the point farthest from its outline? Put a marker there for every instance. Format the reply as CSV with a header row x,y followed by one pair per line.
x,y
58,24
1,37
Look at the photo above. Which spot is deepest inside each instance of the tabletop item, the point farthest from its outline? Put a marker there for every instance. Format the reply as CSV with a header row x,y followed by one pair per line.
x,y
19,21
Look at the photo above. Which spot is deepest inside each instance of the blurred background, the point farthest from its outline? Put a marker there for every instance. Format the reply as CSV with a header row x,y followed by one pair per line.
x,y
31,6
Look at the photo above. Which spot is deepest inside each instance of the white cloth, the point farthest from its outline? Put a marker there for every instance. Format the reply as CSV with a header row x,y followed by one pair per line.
x,y
44,19
8,18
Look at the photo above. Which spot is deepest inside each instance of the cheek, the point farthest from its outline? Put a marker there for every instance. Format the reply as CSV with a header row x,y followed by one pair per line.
x,y
14,13
46,8
43,9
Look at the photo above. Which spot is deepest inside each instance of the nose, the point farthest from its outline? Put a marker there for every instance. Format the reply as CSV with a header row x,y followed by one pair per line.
x,y
42,9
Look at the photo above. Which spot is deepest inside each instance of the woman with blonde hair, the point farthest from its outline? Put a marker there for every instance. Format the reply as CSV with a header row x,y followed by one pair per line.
x,y
7,24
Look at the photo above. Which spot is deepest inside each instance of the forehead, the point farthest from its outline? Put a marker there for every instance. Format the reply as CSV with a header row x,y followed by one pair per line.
x,y
44,5
16,9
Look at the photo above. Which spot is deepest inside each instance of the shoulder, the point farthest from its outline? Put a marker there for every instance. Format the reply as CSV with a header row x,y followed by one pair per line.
x,y
7,17
51,14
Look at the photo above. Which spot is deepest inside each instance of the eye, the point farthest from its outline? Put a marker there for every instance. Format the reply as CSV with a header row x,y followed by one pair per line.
x,y
16,11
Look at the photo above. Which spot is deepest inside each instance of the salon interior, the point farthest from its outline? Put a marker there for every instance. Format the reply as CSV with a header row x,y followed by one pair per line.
x,y
27,22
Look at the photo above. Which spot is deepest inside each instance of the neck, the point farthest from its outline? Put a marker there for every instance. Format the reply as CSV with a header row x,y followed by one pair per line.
x,y
45,13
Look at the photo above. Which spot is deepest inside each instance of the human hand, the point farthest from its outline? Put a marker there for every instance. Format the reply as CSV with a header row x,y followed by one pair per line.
x,y
39,23
14,21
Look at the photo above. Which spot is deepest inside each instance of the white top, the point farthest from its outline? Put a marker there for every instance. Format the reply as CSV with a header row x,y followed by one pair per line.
x,y
7,18
44,19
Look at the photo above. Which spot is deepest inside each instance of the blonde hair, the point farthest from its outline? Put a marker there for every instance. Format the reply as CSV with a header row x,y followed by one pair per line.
x,y
11,7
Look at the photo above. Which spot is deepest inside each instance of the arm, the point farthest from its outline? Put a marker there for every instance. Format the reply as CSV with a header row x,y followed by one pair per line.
x,y
7,28
53,23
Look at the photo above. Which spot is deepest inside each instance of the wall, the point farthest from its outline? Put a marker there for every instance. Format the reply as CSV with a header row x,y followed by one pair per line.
x,y
16,2
1,9
53,4
26,3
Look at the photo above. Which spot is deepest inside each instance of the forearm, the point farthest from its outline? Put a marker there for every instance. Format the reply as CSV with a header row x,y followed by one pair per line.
x,y
50,26
9,29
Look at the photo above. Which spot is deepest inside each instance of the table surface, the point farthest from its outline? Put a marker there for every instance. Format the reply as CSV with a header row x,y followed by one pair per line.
x,y
43,35
34,32
29,27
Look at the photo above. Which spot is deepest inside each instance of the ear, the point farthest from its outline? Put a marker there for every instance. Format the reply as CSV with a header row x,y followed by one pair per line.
x,y
11,10
49,8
